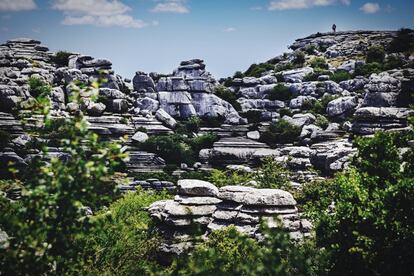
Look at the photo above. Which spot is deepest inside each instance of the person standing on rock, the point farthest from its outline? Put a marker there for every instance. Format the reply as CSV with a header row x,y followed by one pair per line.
x,y
334,28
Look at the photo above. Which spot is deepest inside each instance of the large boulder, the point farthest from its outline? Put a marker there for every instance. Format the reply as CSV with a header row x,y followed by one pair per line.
x,y
341,106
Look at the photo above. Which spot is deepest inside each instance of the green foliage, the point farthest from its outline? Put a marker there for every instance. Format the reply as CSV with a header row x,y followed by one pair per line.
x,y
38,88
123,240
368,69
310,49
403,42
176,148
253,116
229,177
299,58
272,175
188,127
321,121
281,93
370,230
227,252
212,121
4,139
319,63
281,132
238,75
46,225
285,111
230,97
393,62
375,53
316,73
318,107
256,70
340,75
61,58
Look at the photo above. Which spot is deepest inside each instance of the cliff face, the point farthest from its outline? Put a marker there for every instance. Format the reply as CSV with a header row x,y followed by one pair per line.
x,y
329,87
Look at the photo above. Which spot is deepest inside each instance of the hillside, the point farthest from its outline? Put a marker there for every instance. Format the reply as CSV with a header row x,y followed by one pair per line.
x,y
308,155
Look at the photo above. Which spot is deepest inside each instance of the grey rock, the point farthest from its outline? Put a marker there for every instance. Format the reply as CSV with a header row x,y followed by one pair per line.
x,y
140,137
341,106
196,188
165,118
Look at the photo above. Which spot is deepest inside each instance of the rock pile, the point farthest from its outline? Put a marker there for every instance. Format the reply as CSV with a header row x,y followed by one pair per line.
x,y
203,204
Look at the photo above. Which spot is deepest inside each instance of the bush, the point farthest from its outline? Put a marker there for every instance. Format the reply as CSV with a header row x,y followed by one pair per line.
x,y
212,121
228,252
368,69
403,42
319,63
310,49
176,148
61,58
375,53
340,75
370,229
272,175
48,220
393,62
253,116
123,240
299,58
316,73
281,93
285,111
321,121
230,97
256,70
281,132
238,75
4,139
38,88
188,127
229,177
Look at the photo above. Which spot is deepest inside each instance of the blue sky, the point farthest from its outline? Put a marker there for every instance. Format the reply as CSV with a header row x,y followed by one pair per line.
x,y
155,35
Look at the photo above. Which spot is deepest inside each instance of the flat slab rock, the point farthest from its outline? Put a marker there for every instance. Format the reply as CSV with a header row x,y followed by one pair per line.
x,y
252,196
195,187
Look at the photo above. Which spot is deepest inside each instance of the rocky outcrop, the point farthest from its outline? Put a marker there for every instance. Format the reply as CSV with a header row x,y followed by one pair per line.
x,y
201,203
187,92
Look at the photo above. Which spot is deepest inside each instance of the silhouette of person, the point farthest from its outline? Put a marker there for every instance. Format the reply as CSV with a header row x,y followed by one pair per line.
x,y
334,28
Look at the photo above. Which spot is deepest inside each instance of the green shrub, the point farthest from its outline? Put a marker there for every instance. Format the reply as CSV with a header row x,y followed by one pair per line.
x,y
228,252
272,175
48,220
370,228
340,75
321,121
230,97
299,58
238,75
403,42
38,88
188,127
222,178
310,49
4,139
176,148
368,69
123,241
316,73
256,70
319,63
253,116
61,58
212,121
285,111
281,132
393,62
375,53
281,93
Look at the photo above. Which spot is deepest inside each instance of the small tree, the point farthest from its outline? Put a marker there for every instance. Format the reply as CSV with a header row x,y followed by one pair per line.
x,y
49,220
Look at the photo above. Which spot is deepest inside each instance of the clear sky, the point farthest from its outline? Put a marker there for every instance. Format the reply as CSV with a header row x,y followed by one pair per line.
x,y
155,35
